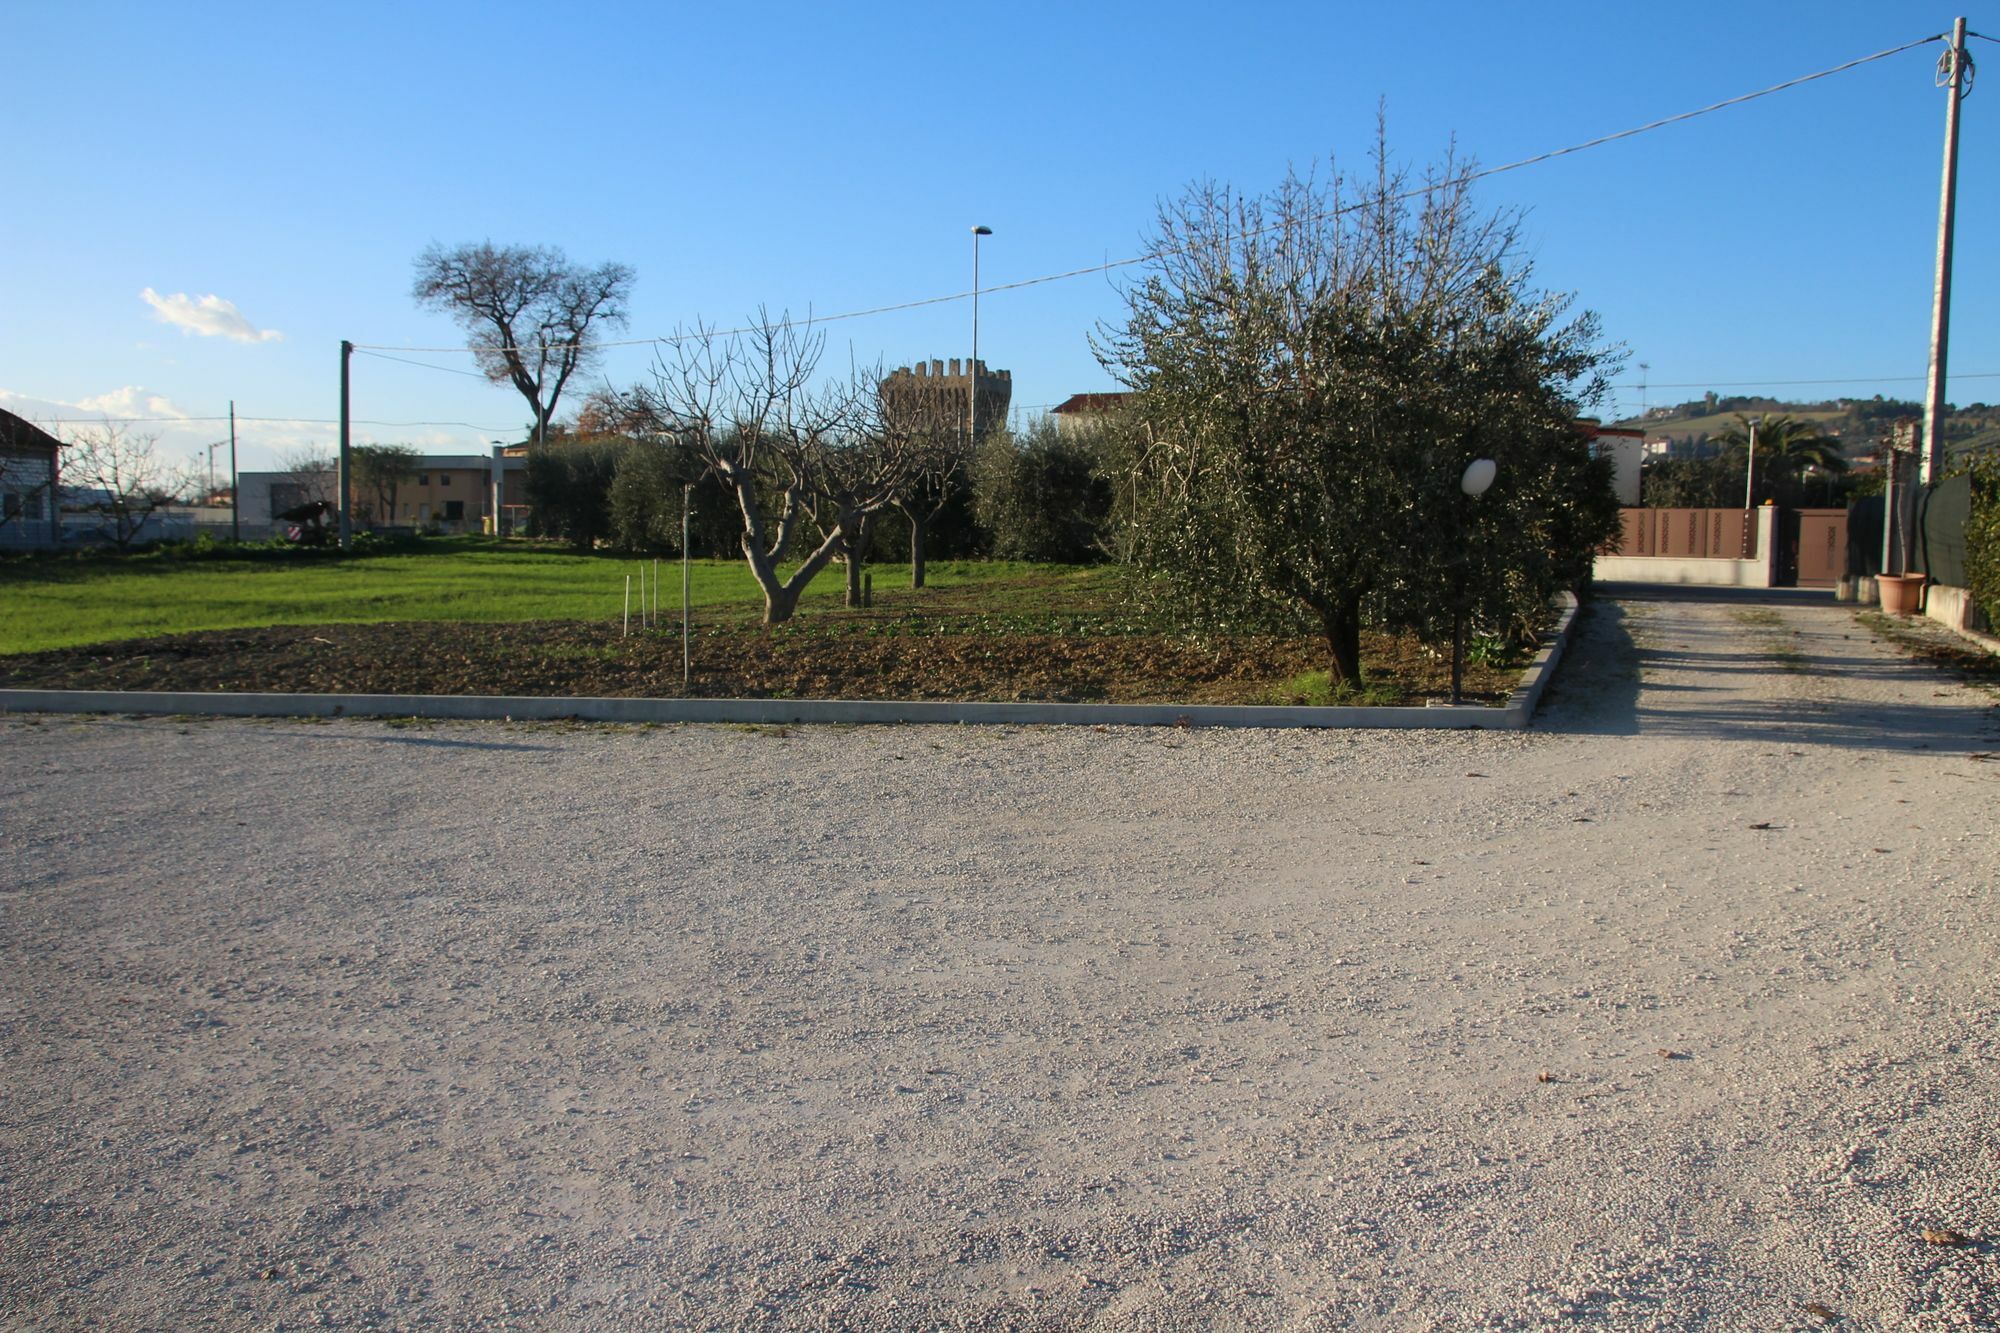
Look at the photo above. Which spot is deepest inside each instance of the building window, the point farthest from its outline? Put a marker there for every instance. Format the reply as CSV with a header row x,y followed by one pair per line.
x,y
423,479
444,478
454,511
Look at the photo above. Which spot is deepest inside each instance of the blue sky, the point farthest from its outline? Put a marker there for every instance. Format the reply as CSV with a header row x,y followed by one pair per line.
x,y
290,162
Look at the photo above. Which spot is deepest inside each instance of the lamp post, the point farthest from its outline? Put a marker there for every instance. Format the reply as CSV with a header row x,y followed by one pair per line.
x,y
1478,475
972,371
1750,468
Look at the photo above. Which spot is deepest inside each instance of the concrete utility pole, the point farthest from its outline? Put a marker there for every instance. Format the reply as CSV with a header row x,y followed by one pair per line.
x,y
235,501
346,470
1954,76
1750,468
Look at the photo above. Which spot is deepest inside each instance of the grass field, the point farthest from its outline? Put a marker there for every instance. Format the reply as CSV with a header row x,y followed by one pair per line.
x,y
73,602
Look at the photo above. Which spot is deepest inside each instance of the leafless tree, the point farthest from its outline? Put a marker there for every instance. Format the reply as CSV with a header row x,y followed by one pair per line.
x,y
311,476
748,408
925,421
528,310
121,476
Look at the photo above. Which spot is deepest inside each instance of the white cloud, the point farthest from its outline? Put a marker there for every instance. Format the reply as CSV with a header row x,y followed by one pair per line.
x,y
210,316
130,401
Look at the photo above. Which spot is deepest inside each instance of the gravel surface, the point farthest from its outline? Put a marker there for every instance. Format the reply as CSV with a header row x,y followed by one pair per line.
x,y
1676,1012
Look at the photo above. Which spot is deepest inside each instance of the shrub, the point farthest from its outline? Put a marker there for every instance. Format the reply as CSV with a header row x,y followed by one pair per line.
x,y
569,486
1041,495
1982,537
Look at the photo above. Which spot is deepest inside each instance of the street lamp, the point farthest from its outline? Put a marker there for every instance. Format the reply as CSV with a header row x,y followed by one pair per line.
x,y
1750,468
972,372
1478,475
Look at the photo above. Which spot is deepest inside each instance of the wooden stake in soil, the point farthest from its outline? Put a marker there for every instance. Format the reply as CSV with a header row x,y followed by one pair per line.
x,y
628,607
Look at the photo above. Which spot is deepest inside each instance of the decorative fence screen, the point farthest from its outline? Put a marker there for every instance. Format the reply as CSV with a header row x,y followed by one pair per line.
x,y
1723,534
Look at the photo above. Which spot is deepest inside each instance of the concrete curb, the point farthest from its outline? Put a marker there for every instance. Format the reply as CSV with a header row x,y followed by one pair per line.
x,y
493,708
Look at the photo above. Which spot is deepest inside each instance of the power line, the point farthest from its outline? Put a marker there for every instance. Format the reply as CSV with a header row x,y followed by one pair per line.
x,y
1108,264
282,421
449,370
1769,384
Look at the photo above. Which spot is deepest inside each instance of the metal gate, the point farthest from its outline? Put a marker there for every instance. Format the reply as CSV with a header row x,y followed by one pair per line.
x,y
1814,548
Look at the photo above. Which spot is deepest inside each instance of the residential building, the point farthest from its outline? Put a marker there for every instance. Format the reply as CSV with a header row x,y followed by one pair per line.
x,y
29,475
1079,411
1627,451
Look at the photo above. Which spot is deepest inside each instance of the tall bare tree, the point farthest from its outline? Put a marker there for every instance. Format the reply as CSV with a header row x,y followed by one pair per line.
x,y
528,311
748,408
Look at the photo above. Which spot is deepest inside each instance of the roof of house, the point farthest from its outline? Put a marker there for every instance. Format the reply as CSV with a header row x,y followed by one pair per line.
x,y
1091,402
447,462
20,433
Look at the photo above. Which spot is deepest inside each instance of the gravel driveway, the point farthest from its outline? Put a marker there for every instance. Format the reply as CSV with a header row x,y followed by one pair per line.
x,y
1679,1011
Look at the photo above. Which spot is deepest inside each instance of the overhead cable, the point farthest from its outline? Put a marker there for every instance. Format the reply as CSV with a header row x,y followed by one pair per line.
x,y
1107,265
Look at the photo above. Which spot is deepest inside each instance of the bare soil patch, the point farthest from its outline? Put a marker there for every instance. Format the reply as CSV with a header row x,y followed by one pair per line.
x,y
855,656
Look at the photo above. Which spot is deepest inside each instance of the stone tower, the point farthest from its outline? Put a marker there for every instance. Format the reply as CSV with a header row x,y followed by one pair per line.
x,y
930,393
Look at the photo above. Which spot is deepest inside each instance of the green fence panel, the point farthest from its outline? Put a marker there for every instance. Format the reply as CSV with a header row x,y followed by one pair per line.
x,y
1942,513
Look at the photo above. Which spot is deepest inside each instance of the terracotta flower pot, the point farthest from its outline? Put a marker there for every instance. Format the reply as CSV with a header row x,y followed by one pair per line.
x,y
1900,593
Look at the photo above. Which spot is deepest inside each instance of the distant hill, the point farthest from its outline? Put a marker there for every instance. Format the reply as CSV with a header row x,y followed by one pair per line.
x,y
1860,424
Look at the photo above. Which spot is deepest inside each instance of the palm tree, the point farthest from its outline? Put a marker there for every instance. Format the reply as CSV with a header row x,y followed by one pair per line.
x,y
1786,447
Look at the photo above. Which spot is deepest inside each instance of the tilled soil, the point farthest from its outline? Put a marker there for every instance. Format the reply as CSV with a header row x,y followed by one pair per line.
x,y
849,659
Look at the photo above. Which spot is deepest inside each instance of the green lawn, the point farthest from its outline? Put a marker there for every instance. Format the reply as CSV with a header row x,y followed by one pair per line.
x,y
66,603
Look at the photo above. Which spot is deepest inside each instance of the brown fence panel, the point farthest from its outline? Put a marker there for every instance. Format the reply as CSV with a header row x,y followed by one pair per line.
x,y
1727,534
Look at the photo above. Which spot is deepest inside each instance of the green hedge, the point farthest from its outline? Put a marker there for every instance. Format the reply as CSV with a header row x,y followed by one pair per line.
x,y
1982,538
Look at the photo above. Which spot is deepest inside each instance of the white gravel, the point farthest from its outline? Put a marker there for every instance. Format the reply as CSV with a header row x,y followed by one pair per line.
x,y
512,1026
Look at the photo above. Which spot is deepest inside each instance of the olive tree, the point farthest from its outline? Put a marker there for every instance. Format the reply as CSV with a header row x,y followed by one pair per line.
x,y
1312,370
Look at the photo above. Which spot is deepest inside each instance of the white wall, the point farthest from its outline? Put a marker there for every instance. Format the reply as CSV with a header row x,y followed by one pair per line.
x,y
1705,571
1626,454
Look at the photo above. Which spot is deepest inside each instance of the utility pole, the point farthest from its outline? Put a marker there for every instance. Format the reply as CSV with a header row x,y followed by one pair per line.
x,y
687,653
346,517
1954,70
1750,470
235,501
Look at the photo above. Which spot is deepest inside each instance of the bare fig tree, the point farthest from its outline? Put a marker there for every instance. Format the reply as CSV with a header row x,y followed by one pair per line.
x,y
120,476
927,421
747,406
529,313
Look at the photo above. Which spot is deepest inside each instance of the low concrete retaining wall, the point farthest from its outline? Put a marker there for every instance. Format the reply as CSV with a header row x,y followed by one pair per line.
x,y
1955,609
1703,571
473,707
